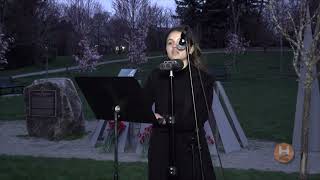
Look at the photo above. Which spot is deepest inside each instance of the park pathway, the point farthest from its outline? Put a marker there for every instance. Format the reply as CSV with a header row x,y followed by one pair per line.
x,y
213,51
258,156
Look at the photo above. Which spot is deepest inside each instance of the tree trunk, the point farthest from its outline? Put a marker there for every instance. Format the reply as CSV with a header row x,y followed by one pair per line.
x,y
305,127
281,54
236,67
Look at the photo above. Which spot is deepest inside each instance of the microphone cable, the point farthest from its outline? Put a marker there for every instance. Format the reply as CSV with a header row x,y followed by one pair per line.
x,y
194,109
210,114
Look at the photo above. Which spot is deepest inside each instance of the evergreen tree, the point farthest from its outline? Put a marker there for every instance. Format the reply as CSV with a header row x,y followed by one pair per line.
x,y
189,11
214,23
212,19
21,22
207,18
29,22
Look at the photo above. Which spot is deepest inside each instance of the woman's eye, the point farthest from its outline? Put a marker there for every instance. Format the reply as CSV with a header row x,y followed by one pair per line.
x,y
169,43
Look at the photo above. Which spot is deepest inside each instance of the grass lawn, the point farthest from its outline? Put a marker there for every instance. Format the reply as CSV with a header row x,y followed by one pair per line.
x,y
30,168
265,108
263,98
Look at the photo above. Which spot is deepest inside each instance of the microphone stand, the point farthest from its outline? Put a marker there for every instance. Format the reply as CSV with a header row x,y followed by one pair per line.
x,y
172,169
195,112
116,164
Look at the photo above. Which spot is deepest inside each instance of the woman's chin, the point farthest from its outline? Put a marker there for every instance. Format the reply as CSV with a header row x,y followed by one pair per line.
x,y
173,58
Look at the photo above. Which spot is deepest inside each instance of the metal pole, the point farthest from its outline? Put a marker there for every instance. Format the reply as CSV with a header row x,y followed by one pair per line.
x,y
116,164
172,169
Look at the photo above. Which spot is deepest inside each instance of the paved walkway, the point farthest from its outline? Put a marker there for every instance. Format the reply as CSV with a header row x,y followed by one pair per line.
x,y
213,51
259,154
73,68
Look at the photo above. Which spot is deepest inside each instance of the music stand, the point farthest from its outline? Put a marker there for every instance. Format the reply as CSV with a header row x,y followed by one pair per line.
x,y
118,98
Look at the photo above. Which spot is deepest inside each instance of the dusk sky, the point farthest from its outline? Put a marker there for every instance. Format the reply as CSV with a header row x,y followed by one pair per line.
x,y
107,4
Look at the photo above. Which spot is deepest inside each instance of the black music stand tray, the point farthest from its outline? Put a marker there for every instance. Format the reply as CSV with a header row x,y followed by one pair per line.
x,y
116,98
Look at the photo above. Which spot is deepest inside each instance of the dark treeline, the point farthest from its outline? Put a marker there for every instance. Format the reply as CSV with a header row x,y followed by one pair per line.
x,y
213,19
44,29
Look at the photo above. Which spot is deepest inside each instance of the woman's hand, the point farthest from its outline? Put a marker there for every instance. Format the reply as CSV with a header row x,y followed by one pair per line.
x,y
161,120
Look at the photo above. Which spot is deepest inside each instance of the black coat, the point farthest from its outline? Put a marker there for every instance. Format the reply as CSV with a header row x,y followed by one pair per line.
x,y
157,89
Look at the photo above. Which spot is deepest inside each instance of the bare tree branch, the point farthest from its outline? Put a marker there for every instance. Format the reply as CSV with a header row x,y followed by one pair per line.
x,y
317,29
302,25
293,23
284,33
282,30
315,43
307,58
296,61
135,13
315,14
78,13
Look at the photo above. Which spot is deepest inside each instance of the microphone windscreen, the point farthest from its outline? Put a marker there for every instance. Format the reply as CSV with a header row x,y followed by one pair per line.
x,y
179,64
182,42
175,65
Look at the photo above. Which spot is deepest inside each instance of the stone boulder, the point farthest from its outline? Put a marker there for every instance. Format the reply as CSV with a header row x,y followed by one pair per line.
x,y
53,109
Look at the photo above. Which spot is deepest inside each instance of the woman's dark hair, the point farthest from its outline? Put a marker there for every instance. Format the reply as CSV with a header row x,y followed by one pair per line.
x,y
196,54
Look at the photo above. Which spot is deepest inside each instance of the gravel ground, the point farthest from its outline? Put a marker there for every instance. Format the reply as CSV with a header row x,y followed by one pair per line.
x,y
259,154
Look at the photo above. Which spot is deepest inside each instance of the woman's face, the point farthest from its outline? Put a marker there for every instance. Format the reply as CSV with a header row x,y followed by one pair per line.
x,y
171,47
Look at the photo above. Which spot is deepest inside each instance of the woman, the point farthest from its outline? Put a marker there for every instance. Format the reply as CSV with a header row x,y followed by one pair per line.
x,y
158,92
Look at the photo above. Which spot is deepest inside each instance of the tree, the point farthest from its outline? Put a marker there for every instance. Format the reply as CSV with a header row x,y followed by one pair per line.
x,y
47,16
4,46
208,19
247,15
213,20
116,26
2,10
236,45
65,38
189,11
161,19
30,23
79,13
281,7
87,57
134,13
100,30
305,60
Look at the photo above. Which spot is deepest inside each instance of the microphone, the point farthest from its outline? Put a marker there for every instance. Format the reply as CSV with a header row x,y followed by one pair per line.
x,y
182,42
174,65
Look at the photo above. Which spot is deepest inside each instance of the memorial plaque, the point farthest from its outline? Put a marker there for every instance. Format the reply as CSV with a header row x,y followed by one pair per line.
x,y
42,103
53,109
